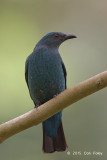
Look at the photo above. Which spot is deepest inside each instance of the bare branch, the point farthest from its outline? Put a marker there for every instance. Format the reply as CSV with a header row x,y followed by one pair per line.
x,y
66,98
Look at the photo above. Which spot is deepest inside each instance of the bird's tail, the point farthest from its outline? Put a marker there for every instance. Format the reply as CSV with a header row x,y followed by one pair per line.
x,y
54,144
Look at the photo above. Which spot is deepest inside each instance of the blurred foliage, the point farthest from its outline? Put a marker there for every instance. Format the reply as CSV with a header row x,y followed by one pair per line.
x,y
22,24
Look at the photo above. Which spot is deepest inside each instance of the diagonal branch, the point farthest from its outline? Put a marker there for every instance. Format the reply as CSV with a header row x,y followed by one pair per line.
x,y
66,98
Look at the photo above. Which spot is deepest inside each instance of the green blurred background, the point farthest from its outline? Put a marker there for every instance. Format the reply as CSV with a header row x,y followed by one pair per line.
x,y
22,24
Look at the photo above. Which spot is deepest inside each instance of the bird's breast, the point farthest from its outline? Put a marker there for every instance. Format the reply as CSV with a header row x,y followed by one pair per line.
x,y
45,76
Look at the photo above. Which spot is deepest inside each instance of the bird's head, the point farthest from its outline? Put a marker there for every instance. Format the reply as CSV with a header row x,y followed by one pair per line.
x,y
54,39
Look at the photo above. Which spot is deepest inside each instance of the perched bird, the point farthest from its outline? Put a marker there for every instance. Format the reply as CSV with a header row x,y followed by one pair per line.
x,y
45,75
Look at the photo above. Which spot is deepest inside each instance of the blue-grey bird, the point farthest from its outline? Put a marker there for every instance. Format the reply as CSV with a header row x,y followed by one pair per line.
x,y
45,75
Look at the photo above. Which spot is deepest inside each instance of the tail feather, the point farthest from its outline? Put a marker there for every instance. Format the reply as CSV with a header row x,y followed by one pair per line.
x,y
54,144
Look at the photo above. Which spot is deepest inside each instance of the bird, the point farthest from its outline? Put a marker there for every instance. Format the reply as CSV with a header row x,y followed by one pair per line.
x,y
45,75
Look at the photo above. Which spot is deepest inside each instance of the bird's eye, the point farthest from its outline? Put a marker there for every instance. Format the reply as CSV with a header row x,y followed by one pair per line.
x,y
55,35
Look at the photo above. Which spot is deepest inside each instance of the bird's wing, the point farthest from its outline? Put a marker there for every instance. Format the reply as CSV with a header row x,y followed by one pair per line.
x,y
26,72
65,73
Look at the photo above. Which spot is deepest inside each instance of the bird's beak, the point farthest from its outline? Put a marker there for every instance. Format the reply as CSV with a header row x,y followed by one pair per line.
x,y
69,36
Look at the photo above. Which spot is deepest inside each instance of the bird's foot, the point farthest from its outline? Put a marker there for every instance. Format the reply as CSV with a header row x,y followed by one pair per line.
x,y
55,95
36,107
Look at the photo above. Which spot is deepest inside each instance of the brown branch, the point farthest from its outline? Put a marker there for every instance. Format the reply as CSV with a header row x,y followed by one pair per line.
x,y
66,98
